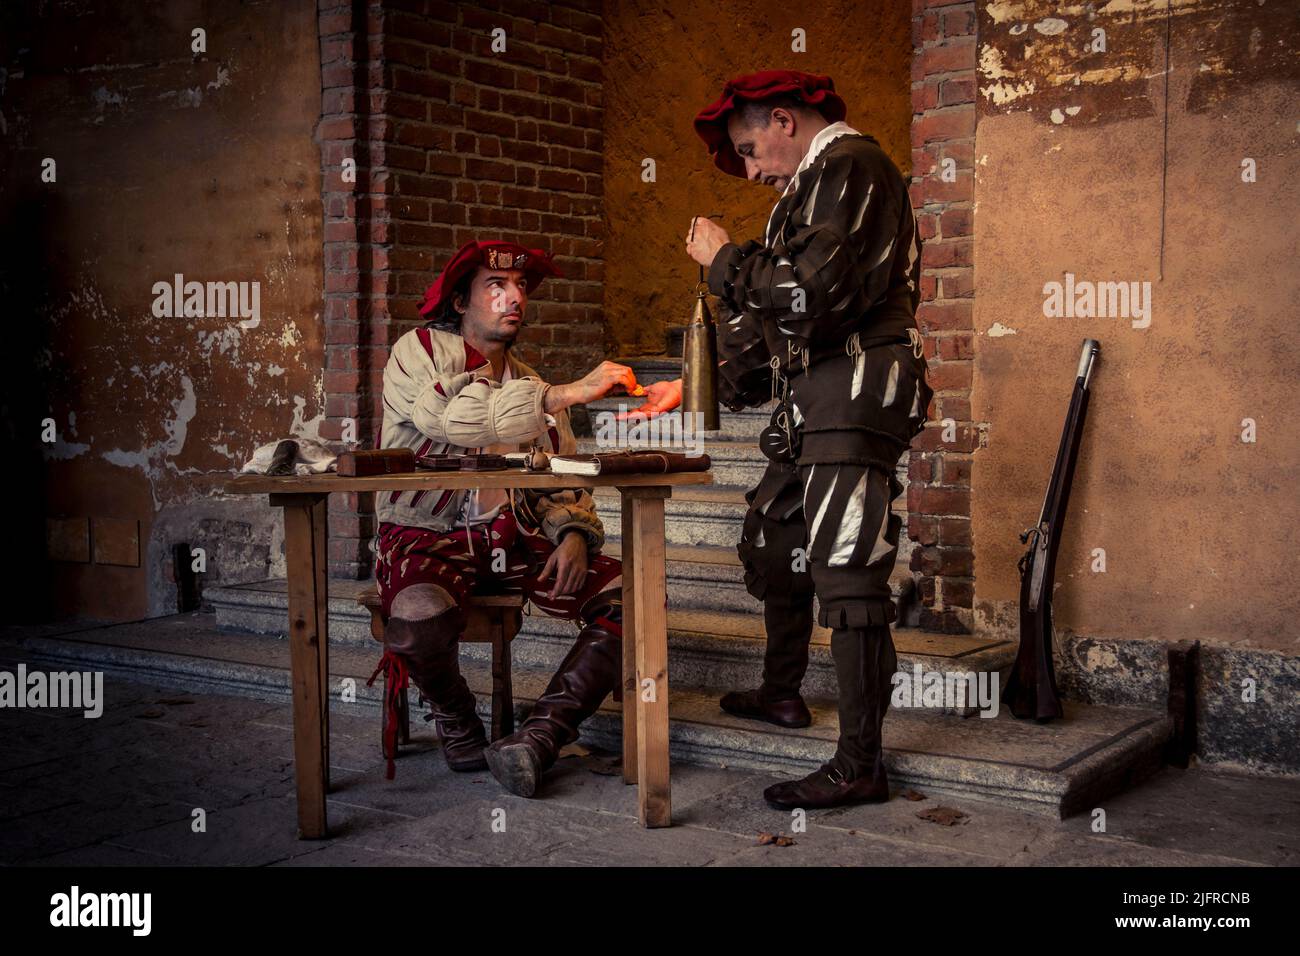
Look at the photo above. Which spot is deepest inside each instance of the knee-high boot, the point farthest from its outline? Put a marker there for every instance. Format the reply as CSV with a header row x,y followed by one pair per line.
x,y
430,650
789,625
865,662
588,674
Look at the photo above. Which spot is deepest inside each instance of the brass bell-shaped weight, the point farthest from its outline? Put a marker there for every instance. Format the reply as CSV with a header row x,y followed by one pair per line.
x,y
700,366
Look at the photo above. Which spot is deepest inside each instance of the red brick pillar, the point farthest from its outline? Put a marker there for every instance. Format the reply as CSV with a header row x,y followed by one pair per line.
x,y
357,234
943,146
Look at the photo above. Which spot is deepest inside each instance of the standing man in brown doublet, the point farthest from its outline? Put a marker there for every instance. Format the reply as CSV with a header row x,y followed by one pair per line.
x,y
820,313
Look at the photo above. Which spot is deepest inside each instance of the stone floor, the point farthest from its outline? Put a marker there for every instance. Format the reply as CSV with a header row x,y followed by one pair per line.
x,y
123,788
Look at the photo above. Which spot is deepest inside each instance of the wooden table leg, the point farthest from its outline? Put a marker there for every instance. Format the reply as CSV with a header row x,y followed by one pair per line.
x,y
306,557
649,615
629,644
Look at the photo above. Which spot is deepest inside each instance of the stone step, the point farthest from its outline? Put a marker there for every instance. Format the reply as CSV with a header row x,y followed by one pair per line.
x,y
709,515
714,648
692,516
712,579
1055,769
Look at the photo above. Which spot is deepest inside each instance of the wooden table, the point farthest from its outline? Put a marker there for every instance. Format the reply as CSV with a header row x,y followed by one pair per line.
x,y
645,624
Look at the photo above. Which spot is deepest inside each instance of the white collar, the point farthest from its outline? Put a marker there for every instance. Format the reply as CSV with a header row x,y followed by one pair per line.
x,y
825,136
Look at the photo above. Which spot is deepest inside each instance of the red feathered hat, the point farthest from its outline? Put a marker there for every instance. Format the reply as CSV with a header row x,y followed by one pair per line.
x,y
535,263
711,122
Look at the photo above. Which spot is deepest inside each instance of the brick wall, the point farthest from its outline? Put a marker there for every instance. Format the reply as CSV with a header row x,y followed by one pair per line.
x,y
454,141
943,128
357,239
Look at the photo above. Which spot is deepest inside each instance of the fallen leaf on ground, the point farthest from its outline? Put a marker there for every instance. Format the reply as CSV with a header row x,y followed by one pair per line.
x,y
944,816
603,762
768,839
910,794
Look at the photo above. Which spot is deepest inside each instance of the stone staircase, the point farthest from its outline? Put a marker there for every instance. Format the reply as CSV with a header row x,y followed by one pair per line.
x,y
716,641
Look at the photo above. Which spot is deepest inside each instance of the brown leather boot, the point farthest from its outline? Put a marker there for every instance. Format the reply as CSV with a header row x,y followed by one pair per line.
x,y
430,648
789,626
585,678
826,787
755,704
865,662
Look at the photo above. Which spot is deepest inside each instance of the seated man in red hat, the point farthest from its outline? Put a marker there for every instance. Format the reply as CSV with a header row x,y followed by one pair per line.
x,y
453,387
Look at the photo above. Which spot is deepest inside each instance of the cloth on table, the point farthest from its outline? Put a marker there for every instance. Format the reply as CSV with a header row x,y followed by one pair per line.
x,y
309,457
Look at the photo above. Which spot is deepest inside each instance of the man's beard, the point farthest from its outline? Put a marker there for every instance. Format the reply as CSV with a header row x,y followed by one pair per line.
x,y
506,336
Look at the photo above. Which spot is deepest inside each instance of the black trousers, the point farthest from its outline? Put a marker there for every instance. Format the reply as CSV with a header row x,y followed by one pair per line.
x,y
821,522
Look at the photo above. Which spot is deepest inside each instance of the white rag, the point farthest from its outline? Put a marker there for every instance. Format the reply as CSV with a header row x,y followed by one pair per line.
x,y
313,458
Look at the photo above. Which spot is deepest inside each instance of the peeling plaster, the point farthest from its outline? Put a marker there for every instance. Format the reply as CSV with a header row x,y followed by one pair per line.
x,y
62,450
223,78
224,340
152,457
103,97
185,407
1020,76
998,92
1100,657
300,428
997,330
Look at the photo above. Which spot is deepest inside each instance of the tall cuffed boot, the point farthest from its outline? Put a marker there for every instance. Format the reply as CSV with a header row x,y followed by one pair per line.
x,y
865,663
429,649
588,674
777,700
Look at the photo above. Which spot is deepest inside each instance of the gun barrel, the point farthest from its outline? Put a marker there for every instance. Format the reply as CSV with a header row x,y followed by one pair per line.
x,y
1087,358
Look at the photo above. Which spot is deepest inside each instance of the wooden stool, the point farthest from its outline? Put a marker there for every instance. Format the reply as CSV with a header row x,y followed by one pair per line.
x,y
490,619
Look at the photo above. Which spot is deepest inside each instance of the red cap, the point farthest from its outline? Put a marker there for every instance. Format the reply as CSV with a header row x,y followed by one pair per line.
x,y
711,122
535,263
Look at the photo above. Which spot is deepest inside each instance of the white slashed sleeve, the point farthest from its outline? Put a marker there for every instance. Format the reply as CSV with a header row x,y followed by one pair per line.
x,y
461,408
